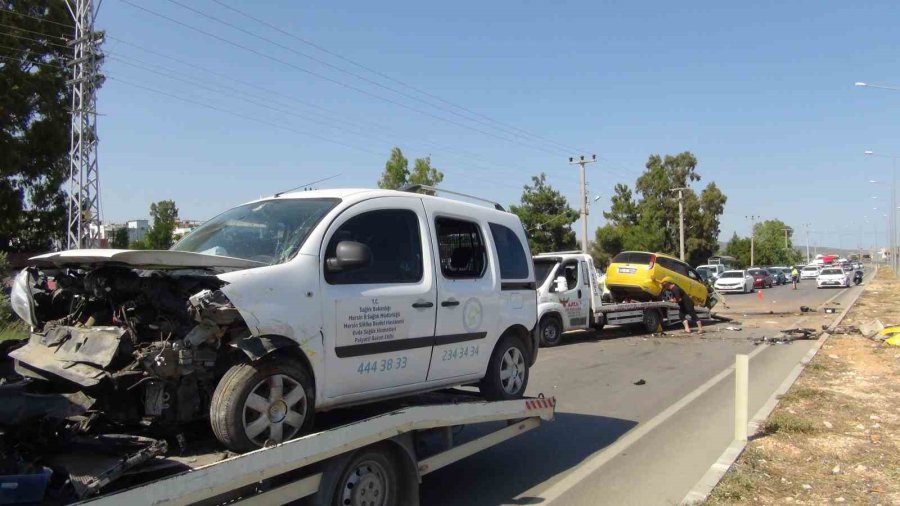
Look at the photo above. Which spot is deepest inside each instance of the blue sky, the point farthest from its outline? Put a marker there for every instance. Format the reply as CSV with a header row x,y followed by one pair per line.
x,y
761,92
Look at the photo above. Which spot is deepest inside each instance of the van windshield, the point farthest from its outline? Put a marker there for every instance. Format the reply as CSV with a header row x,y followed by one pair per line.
x,y
542,270
270,231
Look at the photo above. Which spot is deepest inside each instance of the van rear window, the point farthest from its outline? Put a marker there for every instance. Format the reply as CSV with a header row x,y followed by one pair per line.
x,y
632,257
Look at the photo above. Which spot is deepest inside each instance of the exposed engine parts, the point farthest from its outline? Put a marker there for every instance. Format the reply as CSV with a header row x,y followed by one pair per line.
x,y
147,345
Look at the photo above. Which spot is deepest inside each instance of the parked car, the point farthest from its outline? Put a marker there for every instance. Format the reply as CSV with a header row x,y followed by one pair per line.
x,y
810,272
285,306
735,281
761,278
713,271
847,266
636,275
833,276
778,274
706,275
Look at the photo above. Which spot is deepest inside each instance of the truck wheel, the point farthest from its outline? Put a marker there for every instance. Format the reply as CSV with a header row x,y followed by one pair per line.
x,y
551,331
370,478
600,323
507,372
652,321
262,403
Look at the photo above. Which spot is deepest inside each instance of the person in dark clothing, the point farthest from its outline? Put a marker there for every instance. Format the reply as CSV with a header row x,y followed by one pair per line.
x,y
685,305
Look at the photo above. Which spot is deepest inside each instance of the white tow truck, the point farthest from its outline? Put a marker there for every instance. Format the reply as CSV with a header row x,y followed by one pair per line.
x,y
377,458
571,296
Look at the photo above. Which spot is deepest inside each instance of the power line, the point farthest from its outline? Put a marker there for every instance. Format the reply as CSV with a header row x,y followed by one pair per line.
x,y
243,116
50,21
513,129
331,80
37,41
240,95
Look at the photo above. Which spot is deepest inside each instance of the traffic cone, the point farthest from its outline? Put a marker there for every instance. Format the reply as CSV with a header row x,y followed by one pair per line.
x,y
759,294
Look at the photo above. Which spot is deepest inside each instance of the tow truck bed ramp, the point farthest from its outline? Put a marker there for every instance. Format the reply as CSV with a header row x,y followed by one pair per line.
x,y
230,476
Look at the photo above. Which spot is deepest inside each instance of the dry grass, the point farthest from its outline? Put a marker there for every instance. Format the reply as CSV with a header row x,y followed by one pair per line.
x,y
835,436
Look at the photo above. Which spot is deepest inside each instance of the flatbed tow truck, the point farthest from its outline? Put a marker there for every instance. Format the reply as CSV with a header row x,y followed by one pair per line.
x,y
571,297
375,454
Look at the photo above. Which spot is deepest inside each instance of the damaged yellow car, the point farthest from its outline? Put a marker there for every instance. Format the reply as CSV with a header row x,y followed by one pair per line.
x,y
637,276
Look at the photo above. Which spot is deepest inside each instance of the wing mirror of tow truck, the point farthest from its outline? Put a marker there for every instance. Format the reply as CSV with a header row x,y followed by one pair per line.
x,y
561,284
349,255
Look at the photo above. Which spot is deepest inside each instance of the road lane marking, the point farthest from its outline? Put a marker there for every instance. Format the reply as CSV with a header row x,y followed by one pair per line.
x,y
597,460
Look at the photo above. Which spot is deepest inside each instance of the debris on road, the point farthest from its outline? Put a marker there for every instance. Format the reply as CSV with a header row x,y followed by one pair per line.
x,y
871,328
787,336
734,328
640,382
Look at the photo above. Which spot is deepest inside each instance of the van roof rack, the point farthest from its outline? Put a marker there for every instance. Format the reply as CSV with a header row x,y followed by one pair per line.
x,y
554,253
413,188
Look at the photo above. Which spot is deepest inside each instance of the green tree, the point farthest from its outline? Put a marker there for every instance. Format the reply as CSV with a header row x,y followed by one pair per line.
x,y
770,246
739,248
34,123
396,173
648,219
119,238
546,216
160,236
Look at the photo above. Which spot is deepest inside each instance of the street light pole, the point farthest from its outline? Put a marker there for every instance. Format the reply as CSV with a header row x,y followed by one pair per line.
x,y
680,218
807,243
892,250
583,198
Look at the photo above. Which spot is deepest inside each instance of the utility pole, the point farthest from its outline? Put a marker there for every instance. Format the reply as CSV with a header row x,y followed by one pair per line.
x,y
680,219
83,230
752,219
584,199
786,230
807,243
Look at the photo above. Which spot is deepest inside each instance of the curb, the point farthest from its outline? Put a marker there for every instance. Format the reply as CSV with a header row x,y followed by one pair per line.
x,y
701,490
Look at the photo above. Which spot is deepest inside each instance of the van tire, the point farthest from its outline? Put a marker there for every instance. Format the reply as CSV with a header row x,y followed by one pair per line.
x,y
231,402
509,357
550,331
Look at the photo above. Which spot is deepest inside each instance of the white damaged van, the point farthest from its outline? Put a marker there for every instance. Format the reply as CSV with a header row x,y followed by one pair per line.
x,y
286,306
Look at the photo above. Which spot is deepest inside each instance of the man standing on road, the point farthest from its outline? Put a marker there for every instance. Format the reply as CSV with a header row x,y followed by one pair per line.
x,y
685,305
795,276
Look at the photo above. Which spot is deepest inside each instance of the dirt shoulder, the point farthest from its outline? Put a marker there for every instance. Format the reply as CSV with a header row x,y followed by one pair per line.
x,y
835,436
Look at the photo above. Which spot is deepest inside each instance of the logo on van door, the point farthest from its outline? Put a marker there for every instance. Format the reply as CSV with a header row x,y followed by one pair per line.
x,y
472,314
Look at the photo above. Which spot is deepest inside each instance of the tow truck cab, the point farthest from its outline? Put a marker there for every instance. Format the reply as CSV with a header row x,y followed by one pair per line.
x,y
568,291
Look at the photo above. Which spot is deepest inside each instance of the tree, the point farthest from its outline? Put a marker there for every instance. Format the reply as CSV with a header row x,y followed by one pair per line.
x,y
770,247
160,236
119,238
739,248
648,219
546,216
396,173
34,123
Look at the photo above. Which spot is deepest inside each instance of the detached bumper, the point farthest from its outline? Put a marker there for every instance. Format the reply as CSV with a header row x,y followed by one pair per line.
x,y
79,355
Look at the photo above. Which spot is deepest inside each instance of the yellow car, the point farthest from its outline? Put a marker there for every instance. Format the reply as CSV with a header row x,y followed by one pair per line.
x,y
636,275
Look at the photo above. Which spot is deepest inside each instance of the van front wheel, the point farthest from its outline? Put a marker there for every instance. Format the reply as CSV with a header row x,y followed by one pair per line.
x,y
262,403
507,373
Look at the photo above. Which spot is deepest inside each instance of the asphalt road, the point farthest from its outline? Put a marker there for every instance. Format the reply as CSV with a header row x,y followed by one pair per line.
x,y
666,432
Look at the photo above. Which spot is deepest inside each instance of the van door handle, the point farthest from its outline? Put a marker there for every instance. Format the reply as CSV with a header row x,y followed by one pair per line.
x,y
579,293
422,305
450,303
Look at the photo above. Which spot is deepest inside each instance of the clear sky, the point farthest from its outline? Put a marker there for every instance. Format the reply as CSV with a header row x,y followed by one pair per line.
x,y
497,91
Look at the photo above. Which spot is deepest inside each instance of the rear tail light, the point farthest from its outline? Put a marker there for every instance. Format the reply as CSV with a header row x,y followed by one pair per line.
x,y
652,262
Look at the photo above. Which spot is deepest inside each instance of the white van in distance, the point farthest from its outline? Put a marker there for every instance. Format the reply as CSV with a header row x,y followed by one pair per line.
x,y
285,306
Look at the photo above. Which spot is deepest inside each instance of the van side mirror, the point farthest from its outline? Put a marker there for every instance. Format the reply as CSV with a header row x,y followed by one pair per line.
x,y
561,284
349,255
